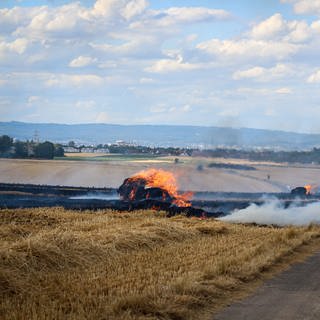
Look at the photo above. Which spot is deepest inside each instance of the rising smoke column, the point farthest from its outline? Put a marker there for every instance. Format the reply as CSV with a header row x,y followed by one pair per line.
x,y
273,212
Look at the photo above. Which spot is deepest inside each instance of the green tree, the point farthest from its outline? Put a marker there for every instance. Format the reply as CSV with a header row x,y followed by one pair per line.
x,y
71,144
21,149
5,143
58,151
44,150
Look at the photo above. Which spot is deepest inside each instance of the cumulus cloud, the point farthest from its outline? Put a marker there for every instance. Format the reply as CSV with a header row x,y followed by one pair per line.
x,y
126,9
17,46
305,6
314,77
85,104
102,117
276,27
269,28
192,15
33,99
163,108
248,49
146,80
77,80
172,65
264,74
82,61
284,90
145,53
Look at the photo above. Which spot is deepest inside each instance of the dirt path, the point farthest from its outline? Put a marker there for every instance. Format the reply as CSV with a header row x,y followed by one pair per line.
x,y
292,295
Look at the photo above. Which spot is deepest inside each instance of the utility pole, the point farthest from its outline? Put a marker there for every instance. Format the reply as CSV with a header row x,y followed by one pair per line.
x,y
36,138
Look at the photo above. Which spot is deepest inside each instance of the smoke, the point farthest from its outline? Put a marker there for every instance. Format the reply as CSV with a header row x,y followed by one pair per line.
x,y
112,196
273,212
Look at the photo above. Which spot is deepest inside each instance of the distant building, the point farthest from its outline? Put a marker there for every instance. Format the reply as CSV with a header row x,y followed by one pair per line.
x,y
71,150
122,143
102,150
87,150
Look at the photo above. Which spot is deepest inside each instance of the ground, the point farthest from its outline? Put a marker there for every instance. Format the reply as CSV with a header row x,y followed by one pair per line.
x,y
59,264
112,172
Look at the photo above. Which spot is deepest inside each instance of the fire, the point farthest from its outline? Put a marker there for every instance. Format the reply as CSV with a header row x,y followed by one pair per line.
x,y
165,180
308,188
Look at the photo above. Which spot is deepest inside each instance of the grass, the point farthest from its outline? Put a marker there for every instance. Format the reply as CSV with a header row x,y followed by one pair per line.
x,y
59,264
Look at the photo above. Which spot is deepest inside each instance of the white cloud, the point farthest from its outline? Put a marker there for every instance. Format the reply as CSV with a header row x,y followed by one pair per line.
x,y
315,26
186,108
270,112
17,46
248,49
229,113
264,74
85,105
33,99
314,78
102,117
284,90
3,82
249,73
305,6
82,61
146,80
276,27
159,108
192,14
134,8
299,31
269,28
163,108
78,80
172,65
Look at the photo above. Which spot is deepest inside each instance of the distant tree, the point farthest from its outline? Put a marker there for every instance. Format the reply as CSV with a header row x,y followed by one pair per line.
x,y
21,149
44,150
58,151
5,143
71,144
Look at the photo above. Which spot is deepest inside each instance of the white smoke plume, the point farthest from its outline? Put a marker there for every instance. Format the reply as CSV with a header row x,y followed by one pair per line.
x,y
273,212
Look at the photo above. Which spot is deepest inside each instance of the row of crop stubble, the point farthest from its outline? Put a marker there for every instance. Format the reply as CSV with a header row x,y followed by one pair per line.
x,y
58,264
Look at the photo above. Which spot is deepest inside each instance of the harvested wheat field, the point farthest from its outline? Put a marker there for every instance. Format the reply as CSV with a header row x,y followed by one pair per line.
x,y
112,173
58,264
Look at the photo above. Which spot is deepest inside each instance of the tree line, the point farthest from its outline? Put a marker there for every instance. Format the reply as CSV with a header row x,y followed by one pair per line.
x,y
29,149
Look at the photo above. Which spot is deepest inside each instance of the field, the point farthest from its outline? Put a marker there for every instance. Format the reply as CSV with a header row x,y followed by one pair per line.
x,y
112,172
58,264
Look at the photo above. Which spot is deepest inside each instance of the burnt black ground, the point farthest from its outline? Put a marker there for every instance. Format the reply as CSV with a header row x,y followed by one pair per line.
x,y
292,295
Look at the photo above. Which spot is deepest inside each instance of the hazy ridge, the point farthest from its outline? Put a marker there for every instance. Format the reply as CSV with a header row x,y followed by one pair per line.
x,y
162,135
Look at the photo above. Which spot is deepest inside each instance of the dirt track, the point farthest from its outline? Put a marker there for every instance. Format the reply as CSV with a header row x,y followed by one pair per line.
x,y
112,174
292,295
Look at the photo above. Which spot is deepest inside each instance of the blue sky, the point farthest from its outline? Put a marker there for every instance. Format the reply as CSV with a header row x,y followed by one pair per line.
x,y
224,63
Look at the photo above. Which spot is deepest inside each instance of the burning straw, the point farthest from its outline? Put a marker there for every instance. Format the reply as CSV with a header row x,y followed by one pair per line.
x,y
152,184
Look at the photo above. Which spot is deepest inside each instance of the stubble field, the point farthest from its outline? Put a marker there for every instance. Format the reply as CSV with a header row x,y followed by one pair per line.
x,y
111,173
58,264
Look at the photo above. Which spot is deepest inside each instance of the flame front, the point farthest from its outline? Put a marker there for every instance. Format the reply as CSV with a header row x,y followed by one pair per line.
x,y
164,180
308,188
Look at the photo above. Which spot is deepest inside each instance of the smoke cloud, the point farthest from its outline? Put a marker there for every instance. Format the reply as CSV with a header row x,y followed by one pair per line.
x,y
273,212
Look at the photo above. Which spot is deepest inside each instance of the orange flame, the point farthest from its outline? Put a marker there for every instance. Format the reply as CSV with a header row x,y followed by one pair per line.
x,y
308,188
165,180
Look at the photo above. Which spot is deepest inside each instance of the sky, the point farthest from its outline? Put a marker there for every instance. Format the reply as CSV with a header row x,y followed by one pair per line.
x,y
234,63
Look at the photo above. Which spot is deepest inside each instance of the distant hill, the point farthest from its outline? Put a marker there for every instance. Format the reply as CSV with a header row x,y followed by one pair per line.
x,y
163,135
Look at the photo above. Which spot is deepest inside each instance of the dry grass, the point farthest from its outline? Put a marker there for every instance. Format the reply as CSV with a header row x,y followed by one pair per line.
x,y
58,264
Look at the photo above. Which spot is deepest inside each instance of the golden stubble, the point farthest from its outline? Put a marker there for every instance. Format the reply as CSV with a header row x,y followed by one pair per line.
x,y
59,264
